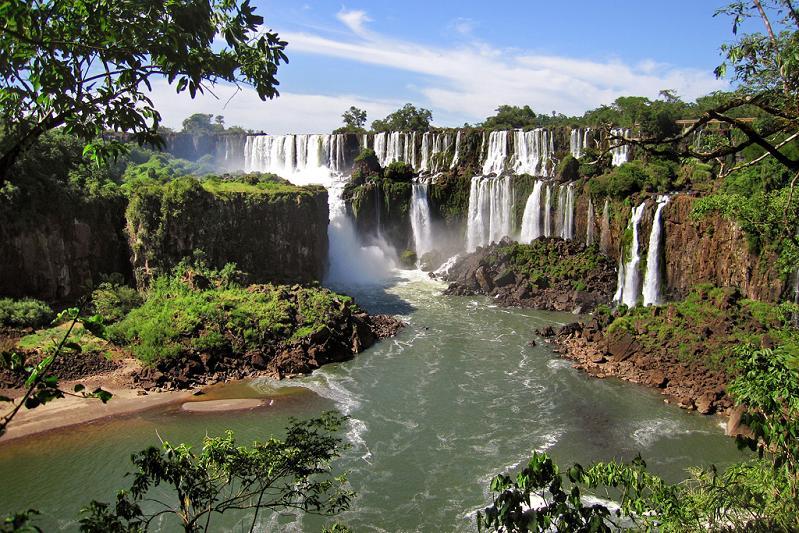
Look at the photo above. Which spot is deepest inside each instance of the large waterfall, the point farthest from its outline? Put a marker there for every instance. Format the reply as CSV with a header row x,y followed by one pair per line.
x,y
319,159
620,152
628,287
531,220
434,147
533,152
395,146
653,277
490,207
421,221
578,141
537,217
301,159
496,153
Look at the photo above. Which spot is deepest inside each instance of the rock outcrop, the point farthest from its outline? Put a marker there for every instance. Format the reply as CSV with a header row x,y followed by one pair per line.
x,y
550,273
58,254
273,236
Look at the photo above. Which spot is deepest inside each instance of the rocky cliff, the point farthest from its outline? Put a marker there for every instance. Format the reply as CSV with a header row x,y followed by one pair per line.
x,y
275,236
56,255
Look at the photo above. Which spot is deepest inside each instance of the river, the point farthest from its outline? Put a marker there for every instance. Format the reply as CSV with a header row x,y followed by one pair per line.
x,y
458,396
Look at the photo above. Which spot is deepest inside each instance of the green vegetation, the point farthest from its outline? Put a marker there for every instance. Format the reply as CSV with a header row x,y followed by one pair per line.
x,y
753,495
198,308
192,44
399,171
708,325
113,300
79,340
24,313
407,118
267,476
635,176
354,121
201,123
542,263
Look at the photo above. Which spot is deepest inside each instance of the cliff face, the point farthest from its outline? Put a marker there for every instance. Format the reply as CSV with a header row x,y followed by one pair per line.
x,y
58,255
274,237
383,207
715,250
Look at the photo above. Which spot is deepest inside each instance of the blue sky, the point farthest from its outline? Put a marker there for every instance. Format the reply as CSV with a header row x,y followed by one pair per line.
x,y
463,59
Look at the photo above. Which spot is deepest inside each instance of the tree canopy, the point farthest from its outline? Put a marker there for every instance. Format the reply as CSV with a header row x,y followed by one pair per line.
x,y
407,118
86,66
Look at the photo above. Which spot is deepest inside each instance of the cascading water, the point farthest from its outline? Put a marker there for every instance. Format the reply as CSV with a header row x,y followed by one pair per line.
x,y
433,145
531,220
620,152
490,206
652,278
589,223
319,159
604,228
421,221
566,208
578,141
629,285
533,152
548,212
456,156
496,153
302,159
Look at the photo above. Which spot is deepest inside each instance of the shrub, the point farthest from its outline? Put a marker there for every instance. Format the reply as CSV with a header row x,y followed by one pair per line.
x,y
113,300
24,313
569,169
398,171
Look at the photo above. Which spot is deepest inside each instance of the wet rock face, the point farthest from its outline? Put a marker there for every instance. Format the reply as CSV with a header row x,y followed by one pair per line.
x,y
553,281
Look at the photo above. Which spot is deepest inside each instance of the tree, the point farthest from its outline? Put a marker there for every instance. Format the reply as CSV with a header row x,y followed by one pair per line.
x,y
753,495
511,117
85,67
407,118
199,123
354,118
293,473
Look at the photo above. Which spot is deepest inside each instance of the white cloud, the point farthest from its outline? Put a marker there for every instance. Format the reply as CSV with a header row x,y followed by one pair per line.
x,y
461,25
289,113
355,20
468,81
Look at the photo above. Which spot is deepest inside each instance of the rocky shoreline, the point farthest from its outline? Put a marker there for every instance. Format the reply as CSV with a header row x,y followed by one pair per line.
x,y
689,386
335,343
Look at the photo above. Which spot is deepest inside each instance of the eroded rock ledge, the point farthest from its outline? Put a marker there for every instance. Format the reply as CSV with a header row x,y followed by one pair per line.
x,y
343,338
550,273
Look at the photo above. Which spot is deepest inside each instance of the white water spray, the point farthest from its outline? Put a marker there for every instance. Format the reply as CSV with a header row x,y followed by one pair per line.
x,y
421,221
653,277
490,203
628,285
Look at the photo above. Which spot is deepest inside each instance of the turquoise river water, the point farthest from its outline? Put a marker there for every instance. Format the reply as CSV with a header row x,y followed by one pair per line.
x,y
455,398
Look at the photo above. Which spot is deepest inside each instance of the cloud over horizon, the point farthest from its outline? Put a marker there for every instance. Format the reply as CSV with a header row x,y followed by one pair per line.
x,y
464,81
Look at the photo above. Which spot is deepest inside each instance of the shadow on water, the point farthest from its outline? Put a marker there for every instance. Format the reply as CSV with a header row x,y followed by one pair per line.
x,y
375,297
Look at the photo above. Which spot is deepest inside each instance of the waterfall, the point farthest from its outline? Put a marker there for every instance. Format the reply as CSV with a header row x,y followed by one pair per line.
x,y
421,221
628,285
548,212
496,153
456,157
578,141
533,151
652,278
566,211
620,152
301,159
589,224
319,159
434,144
490,205
604,228
531,220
